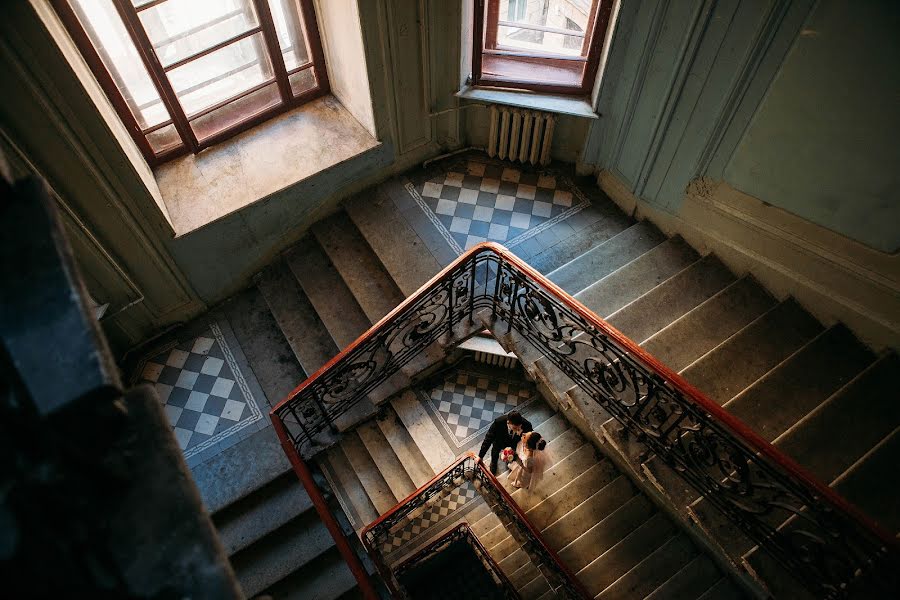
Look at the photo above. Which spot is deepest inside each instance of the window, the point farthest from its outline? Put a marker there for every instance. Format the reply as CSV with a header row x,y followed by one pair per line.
x,y
184,75
542,45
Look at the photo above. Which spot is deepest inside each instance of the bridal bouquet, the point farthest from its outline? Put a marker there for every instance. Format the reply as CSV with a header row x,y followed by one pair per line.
x,y
506,455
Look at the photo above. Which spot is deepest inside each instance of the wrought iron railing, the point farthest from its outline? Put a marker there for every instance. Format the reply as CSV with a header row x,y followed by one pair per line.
x,y
467,468
462,533
827,543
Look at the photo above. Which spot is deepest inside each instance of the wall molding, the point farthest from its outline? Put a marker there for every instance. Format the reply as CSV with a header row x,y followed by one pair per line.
x,y
834,277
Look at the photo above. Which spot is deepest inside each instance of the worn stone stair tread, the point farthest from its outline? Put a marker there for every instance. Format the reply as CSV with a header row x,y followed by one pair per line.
x,y
263,343
417,468
788,392
672,298
709,324
423,431
329,295
358,265
637,277
723,589
570,493
369,474
653,571
399,248
351,488
504,549
627,553
609,221
296,317
562,473
752,352
590,511
872,484
606,533
225,478
514,561
386,460
831,438
536,588
601,260
264,511
690,582
281,552
327,577
523,575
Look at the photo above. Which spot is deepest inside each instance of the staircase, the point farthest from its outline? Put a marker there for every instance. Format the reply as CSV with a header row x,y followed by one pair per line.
x,y
798,382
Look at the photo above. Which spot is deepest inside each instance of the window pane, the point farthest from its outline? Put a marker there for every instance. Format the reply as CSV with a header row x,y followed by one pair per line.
x,y
179,28
112,42
236,112
543,26
164,138
222,74
302,81
290,28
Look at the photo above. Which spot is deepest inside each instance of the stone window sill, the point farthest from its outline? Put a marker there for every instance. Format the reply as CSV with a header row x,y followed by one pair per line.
x,y
563,105
202,188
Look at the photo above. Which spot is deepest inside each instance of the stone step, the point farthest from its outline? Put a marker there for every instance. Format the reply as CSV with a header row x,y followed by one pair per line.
x,y
398,247
523,575
608,221
423,431
723,589
360,510
790,391
638,277
692,581
653,571
561,473
600,261
672,298
259,336
733,365
296,317
327,577
621,558
832,437
387,462
368,473
607,533
514,561
358,265
329,295
571,494
280,553
537,588
417,468
591,511
872,485
264,511
709,324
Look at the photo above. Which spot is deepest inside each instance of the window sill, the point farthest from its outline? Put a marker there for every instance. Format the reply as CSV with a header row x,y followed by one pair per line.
x,y
564,105
280,153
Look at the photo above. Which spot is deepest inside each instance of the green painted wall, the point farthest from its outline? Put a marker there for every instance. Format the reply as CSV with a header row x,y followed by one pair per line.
x,y
824,142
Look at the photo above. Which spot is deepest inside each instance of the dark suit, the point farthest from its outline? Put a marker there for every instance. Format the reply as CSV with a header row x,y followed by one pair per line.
x,y
498,438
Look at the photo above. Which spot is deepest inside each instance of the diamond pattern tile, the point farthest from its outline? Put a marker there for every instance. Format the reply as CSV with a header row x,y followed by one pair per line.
x,y
497,203
439,508
204,394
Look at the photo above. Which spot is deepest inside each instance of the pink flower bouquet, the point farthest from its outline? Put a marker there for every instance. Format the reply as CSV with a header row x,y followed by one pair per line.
x,y
506,455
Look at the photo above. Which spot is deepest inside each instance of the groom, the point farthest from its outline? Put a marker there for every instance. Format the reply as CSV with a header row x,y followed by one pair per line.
x,y
505,432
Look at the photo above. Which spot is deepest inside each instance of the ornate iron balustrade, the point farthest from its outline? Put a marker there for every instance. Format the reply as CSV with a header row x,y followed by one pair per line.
x,y
462,533
467,468
813,532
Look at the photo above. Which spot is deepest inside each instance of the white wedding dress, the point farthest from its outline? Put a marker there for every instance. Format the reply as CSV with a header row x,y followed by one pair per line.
x,y
527,470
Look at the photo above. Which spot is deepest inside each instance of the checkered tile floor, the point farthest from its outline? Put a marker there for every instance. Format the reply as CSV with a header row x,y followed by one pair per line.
x,y
440,508
467,403
203,392
496,203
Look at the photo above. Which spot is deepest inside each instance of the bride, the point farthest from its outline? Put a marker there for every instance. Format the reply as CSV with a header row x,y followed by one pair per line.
x,y
530,461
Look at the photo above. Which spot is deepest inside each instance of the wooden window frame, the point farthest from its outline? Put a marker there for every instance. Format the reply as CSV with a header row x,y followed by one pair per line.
x,y
181,121
484,42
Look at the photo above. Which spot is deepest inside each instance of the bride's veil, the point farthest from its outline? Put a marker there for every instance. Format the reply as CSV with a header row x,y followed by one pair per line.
x,y
542,462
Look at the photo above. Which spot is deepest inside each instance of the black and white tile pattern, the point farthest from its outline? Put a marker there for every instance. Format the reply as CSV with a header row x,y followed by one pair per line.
x,y
203,391
418,526
466,403
495,202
